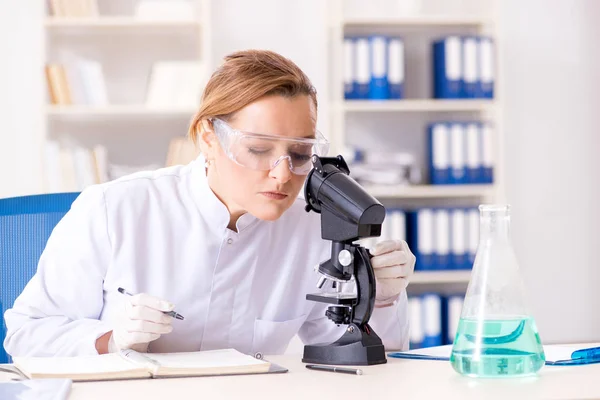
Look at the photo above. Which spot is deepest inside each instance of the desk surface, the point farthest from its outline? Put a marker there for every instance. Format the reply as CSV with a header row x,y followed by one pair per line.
x,y
398,379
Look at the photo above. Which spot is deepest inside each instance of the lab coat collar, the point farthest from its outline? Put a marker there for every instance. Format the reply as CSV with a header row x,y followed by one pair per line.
x,y
211,208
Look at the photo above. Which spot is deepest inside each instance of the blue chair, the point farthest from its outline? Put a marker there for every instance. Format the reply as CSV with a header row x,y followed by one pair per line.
x,y
25,224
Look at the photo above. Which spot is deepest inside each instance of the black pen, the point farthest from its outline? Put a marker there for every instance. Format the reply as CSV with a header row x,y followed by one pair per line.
x,y
351,371
169,313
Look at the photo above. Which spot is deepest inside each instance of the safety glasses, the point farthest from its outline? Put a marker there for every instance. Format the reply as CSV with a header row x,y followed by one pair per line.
x,y
265,152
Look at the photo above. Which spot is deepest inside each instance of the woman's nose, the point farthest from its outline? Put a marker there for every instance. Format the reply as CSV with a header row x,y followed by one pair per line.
x,y
281,169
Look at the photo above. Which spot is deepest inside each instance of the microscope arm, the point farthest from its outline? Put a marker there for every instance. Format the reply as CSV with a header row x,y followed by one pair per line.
x,y
365,287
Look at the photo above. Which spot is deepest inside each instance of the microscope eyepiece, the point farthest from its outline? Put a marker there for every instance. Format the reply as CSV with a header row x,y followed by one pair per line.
x,y
349,212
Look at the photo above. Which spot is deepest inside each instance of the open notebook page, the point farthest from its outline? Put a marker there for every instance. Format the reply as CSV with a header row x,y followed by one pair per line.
x,y
209,360
87,367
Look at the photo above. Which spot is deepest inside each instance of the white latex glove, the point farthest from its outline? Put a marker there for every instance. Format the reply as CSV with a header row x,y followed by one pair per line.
x,y
140,323
393,264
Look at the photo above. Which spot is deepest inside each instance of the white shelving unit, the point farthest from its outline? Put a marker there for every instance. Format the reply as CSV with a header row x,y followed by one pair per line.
x,y
127,46
429,191
120,110
120,22
381,122
440,277
417,105
418,21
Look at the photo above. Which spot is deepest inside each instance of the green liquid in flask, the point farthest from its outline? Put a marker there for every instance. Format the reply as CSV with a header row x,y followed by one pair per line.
x,y
497,348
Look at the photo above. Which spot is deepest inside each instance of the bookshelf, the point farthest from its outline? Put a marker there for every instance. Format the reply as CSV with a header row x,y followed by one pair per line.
x,y
124,79
380,126
401,124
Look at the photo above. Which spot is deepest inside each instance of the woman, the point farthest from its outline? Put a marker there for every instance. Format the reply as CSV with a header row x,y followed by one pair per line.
x,y
224,241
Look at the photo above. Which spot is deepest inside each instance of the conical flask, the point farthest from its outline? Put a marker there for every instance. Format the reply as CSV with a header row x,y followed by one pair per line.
x,y
496,335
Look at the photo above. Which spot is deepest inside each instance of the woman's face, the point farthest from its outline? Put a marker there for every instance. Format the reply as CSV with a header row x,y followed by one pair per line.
x,y
266,194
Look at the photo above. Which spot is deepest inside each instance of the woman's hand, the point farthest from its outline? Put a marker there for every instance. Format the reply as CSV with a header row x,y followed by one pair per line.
x,y
393,263
141,322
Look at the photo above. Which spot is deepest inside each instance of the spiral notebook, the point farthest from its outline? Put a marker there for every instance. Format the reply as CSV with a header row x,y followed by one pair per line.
x,y
129,364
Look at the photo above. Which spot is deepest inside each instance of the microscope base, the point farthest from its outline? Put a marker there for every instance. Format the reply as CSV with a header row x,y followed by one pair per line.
x,y
355,347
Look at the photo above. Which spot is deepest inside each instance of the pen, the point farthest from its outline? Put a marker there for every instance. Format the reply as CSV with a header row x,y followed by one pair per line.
x,y
351,371
169,313
590,354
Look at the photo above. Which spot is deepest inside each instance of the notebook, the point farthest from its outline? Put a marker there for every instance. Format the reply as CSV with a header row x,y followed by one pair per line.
x,y
559,355
129,364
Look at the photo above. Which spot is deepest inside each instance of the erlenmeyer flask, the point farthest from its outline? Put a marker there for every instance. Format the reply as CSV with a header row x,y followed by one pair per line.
x,y
496,336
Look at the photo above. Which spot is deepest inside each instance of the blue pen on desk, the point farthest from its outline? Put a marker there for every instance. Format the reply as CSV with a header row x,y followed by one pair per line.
x,y
589,354
169,313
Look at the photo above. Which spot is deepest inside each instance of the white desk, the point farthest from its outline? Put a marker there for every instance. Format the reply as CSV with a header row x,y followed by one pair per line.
x,y
398,379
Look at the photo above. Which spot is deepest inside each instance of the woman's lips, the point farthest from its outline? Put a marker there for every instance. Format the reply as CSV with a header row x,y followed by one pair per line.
x,y
274,195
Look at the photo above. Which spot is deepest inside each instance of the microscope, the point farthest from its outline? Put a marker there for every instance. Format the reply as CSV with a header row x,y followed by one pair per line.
x,y
348,213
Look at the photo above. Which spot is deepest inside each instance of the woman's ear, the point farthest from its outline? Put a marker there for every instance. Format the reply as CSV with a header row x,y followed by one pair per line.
x,y
207,140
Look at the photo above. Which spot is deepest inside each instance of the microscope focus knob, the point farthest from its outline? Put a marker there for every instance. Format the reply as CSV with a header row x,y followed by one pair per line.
x,y
345,258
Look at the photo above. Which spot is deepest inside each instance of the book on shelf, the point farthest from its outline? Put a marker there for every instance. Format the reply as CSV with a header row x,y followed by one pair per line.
x,y
71,169
129,364
175,84
73,8
58,86
80,81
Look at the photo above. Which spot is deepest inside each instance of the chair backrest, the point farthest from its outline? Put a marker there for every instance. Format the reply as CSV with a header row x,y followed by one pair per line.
x,y
25,224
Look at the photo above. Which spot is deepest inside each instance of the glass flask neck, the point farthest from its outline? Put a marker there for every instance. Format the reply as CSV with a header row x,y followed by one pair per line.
x,y
494,223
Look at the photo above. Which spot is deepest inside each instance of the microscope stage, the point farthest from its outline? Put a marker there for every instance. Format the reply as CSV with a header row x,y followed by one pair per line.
x,y
346,299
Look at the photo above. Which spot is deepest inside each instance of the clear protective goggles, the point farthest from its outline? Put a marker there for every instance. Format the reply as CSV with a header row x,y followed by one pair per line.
x,y
264,152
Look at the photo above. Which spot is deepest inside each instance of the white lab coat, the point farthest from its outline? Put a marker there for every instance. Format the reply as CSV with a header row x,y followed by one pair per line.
x,y
165,233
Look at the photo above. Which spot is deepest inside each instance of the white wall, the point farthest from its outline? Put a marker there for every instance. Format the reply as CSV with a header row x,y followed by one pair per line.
x,y
21,95
551,72
552,115
295,29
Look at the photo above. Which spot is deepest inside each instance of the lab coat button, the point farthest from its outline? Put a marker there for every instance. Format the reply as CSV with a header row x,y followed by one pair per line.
x,y
229,241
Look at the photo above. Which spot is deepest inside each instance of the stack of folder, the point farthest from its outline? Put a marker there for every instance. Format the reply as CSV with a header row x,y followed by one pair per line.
x,y
373,67
443,238
460,153
463,67
433,319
